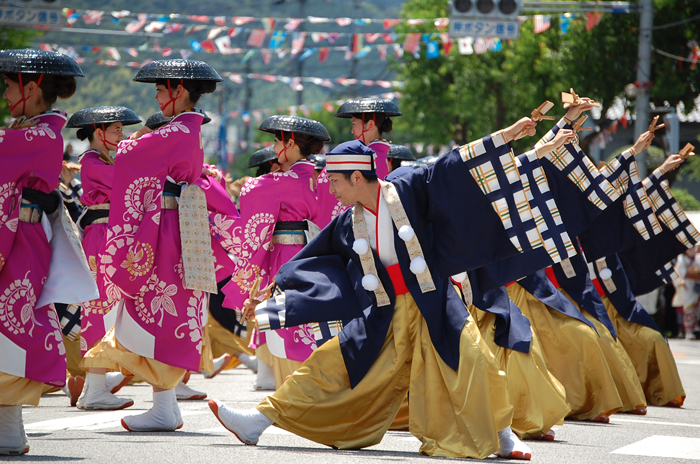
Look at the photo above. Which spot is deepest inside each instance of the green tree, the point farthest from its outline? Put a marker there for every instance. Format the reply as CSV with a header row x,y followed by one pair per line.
x,y
11,38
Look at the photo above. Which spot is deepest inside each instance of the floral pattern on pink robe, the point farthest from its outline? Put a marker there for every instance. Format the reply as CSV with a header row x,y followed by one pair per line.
x,y
96,177
141,259
31,343
266,200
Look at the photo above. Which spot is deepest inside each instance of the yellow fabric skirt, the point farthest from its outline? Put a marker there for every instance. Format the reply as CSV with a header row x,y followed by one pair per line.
x,y
16,391
619,363
206,364
73,356
108,353
453,414
538,398
223,341
651,357
573,355
283,368
400,422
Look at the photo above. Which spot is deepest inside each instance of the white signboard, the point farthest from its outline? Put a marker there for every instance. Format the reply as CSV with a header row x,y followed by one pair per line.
x,y
17,16
468,27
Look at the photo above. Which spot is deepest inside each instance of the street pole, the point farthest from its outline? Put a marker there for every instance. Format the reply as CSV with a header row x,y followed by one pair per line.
x,y
247,96
646,20
300,63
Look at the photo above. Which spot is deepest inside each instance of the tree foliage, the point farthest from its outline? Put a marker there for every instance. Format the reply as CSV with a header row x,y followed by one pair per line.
x,y
10,38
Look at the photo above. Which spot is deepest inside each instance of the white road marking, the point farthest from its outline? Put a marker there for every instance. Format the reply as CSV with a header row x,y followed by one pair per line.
x,y
87,421
614,419
664,447
692,362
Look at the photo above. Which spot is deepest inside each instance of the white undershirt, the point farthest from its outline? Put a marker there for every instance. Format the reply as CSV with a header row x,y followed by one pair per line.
x,y
384,227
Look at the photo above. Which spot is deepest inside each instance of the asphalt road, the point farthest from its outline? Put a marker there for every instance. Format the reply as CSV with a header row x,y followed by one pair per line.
x,y
60,433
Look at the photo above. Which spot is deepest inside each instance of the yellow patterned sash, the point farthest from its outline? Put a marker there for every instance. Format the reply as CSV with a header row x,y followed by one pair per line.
x,y
601,264
398,214
359,229
196,241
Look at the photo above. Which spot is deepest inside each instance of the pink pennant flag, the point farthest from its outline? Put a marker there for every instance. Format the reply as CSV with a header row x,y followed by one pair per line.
x,y
214,32
298,42
134,26
348,55
319,36
93,16
592,20
46,47
292,24
388,38
114,53
542,23
442,23
236,78
446,43
384,84
132,51
200,18
167,51
389,23
266,55
328,106
154,26
257,37
382,49
343,21
220,20
412,41
371,38
398,51
234,31
415,22
241,20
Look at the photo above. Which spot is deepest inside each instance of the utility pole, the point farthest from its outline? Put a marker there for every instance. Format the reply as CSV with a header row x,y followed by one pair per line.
x,y
300,63
353,63
247,96
646,20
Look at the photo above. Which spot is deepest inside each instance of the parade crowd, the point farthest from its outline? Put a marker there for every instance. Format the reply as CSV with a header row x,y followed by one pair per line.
x,y
476,300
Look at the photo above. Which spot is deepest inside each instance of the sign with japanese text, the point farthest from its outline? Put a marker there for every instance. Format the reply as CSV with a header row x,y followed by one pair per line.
x,y
17,16
470,27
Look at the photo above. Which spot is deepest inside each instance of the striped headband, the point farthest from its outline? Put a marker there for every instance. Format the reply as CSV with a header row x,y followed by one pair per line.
x,y
351,156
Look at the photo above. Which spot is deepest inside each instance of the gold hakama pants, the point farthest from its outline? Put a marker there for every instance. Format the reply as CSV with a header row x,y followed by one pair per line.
x,y
651,357
573,355
206,364
619,363
16,391
223,341
453,414
538,398
283,368
108,353
73,357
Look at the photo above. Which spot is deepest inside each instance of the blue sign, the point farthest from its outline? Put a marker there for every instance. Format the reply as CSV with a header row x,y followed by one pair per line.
x,y
503,29
17,16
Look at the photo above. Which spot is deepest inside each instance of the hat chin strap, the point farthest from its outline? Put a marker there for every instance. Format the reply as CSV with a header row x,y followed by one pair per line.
x,y
362,135
284,150
24,99
104,140
172,100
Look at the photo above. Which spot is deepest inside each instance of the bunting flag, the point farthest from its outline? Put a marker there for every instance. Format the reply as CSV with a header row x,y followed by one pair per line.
x,y
565,22
292,24
268,24
412,42
307,53
277,39
257,37
464,45
93,17
592,20
356,43
196,46
542,23
208,46
214,32
382,50
323,54
298,42
266,56
432,50
114,53
223,43
134,26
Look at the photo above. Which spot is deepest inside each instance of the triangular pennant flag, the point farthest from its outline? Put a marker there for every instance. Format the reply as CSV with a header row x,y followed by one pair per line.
x,y
266,55
382,49
256,37
277,39
268,24
196,46
432,50
565,22
323,54
208,46
411,42
223,43
389,23
592,20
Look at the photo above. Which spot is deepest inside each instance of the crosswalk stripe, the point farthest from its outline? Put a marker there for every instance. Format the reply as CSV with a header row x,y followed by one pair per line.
x,y
641,421
90,421
664,447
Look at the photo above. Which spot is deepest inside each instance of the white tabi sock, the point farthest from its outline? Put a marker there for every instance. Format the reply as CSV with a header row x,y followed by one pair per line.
x,y
97,396
510,446
184,392
160,418
265,379
246,424
13,440
219,364
251,362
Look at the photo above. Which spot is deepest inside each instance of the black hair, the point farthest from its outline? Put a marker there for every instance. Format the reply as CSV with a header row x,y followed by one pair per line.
x,y
382,121
88,132
371,178
196,88
395,163
52,86
308,144
265,168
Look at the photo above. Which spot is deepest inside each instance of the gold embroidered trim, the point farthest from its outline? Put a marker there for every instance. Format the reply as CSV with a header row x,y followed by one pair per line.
x,y
601,264
289,239
398,214
100,206
196,240
168,202
100,221
568,268
30,215
359,229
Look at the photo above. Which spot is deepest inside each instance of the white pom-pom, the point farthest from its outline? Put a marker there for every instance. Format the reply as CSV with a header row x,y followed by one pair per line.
x,y
418,265
360,246
370,283
605,274
459,277
406,233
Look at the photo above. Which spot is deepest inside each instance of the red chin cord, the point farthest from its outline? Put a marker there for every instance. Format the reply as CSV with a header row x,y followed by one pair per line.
x,y
362,135
284,150
104,140
23,101
172,100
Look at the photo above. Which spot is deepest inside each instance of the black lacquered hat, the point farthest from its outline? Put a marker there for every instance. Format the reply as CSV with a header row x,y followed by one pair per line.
x,y
368,105
263,156
177,69
103,115
295,124
31,61
157,120
400,152
319,161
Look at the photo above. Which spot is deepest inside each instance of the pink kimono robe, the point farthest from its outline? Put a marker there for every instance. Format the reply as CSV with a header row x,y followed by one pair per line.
x,y
141,258
266,200
31,343
96,177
